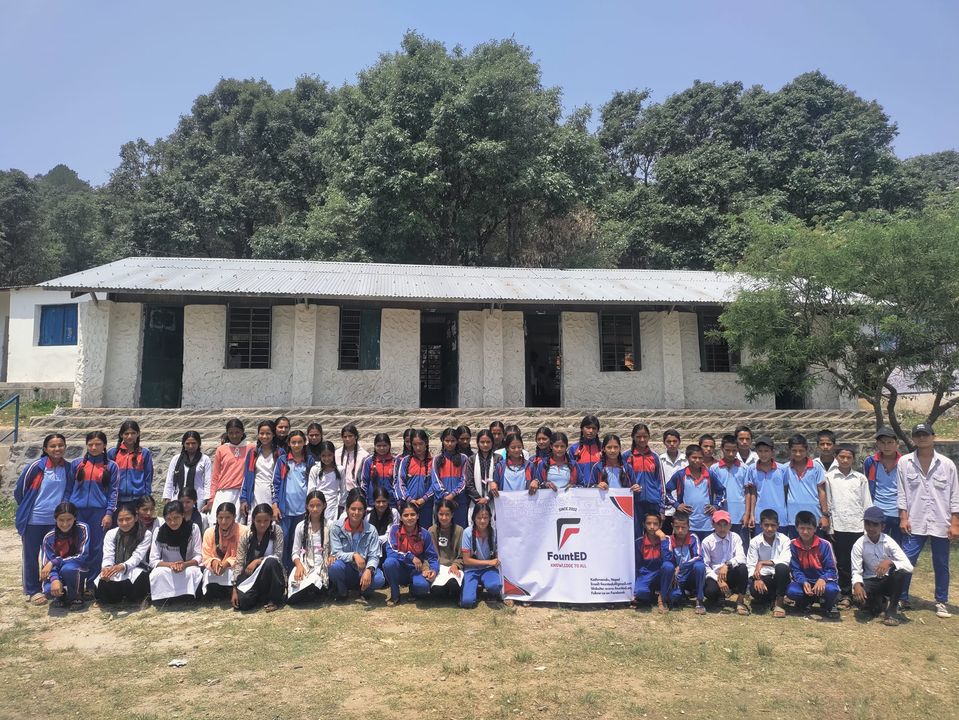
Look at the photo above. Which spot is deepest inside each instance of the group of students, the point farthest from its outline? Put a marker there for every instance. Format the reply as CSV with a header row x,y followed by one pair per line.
x,y
292,516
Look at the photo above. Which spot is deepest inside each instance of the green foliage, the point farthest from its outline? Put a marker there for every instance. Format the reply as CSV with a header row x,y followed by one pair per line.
x,y
856,301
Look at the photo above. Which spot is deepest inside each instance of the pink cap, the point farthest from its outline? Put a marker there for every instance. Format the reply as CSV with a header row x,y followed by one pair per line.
x,y
720,515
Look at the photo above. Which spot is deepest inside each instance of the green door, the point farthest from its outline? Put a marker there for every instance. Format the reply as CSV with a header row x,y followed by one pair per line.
x,y
161,377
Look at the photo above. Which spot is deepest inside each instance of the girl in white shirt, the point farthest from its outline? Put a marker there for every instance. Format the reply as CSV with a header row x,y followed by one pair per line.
x,y
325,476
350,456
258,469
310,546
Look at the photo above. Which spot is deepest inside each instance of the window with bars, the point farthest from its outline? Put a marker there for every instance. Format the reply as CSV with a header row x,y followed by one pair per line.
x,y
619,348
714,352
359,339
249,331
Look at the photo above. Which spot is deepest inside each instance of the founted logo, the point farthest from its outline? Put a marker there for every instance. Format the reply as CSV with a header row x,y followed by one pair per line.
x,y
565,529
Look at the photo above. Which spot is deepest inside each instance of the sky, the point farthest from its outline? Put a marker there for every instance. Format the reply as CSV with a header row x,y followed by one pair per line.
x,y
81,78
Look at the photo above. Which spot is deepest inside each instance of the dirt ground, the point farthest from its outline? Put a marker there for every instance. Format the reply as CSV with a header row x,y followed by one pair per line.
x,y
437,661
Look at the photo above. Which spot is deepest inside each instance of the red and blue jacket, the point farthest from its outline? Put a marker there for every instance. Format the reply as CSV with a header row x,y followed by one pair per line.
x,y
683,487
499,473
883,486
136,478
644,470
681,556
541,471
448,479
585,455
812,563
614,476
249,473
413,479
403,548
60,550
280,474
649,555
96,483
379,471
27,489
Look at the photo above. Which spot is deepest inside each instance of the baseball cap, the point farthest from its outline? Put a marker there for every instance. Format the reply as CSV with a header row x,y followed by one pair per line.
x,y
923,428
874,514
885,431
764,440
720,515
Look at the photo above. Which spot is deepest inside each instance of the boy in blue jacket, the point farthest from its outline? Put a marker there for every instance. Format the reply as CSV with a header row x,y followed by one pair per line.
x,y
813,568
683,572
649,560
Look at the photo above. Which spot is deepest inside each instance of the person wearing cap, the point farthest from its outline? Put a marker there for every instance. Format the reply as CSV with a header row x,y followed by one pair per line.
x,y
767,563
880,470
725,564
928,498
766,477
879,568
847,497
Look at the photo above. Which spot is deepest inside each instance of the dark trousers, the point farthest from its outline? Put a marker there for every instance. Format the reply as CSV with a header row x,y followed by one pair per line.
x,y
288,523
842,543
745,534
269,586
775,585
889,587
32,541
735,578
110,592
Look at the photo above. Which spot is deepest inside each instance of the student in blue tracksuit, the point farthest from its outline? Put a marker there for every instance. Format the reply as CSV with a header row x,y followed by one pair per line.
x,y
766,477
880,470
413,478
65,558
135,463
42,485
642,467
96,489
480,560
558,471
587,452
379,470
290,485
805,482
609,471
355,551
732,474
696,493
649,560
448,476
543,440
813,567
683,572
411,557
514,473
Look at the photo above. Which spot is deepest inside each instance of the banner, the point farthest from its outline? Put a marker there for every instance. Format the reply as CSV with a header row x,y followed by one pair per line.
x,y
572,546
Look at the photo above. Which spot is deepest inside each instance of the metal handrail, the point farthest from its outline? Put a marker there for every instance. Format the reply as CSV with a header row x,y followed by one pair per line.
x,y
15,400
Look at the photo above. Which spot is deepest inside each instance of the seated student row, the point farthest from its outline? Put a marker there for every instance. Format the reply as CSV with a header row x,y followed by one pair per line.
x,y
417,477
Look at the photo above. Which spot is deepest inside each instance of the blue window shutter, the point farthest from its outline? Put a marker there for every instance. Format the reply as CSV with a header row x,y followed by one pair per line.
x,y
58,325
70,325
370,339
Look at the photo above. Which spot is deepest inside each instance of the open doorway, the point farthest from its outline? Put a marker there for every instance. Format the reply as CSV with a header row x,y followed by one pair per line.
x,y
439,360
543,360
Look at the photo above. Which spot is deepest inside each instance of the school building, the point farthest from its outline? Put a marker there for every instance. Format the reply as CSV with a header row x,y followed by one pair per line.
x,y
215,333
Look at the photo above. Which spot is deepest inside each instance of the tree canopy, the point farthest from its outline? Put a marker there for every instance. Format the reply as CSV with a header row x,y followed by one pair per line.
x,y
448,155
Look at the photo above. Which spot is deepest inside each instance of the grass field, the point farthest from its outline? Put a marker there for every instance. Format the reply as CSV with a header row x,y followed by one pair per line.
x,y
438,661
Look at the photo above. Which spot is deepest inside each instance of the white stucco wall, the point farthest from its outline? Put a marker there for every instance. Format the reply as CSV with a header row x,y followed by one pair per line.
x,y
26,360
395,384
710,390
4,320
207,383
585,386
471,358
514,360
122,384
492,359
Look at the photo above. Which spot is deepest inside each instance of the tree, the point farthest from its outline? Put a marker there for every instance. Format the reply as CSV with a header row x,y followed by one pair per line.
x,y
856,301
20,230
936,172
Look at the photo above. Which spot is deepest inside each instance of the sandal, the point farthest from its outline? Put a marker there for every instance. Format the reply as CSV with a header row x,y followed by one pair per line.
x,y
38,599
390,602
662,608
508,603
270,607
890,621
76,604
700,609
779,612
742,610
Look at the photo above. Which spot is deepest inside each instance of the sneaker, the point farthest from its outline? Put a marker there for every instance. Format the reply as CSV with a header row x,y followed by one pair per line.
x,y
942,611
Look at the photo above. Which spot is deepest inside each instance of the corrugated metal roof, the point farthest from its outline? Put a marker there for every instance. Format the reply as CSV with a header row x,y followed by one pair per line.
x,y
379,281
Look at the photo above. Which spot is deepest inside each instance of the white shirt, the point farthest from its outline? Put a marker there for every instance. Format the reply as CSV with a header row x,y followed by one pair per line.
x,y
201,479
866,556
848,497
668,467
759,549
350,466
834,465
930,498
719,551
751,459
